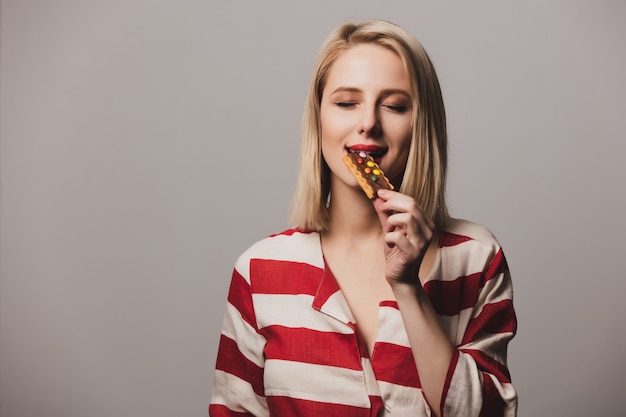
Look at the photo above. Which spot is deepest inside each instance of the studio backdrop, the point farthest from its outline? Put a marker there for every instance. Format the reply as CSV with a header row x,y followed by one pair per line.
x,y
146,143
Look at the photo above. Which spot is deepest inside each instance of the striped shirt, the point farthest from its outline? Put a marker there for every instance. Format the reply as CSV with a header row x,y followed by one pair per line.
x,y
290,347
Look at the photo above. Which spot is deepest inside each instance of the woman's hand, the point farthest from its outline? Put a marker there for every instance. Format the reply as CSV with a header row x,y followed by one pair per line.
x,y
408,231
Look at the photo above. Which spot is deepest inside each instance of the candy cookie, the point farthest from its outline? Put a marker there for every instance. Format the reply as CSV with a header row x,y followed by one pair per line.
x,y
367,172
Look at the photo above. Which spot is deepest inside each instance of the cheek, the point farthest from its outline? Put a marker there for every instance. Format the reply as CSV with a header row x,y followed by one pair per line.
x,y
325,125
335,124
400,142
402,133
406,132
331,140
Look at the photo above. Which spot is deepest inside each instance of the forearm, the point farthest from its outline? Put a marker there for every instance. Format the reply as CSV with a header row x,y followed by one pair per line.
x,y
432,350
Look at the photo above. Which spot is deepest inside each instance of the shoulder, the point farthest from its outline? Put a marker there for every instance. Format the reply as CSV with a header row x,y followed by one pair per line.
x,y
466,238
291,245
467,250
460,230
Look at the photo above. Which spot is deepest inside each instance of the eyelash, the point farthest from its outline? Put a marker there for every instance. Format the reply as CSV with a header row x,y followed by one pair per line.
x,y
394,108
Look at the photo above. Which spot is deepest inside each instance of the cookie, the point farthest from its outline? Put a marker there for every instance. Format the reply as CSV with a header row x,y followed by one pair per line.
x,y
367,172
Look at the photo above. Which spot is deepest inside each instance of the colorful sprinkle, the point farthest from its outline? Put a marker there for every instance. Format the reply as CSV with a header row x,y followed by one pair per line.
x,y
371,164
362,154
376,172
367,170
374,178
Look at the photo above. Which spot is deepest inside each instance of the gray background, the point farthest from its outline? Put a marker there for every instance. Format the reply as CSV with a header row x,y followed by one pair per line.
x,y
145,144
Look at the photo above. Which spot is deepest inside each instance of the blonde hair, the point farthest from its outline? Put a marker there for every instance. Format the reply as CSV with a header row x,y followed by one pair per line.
x,y
425,173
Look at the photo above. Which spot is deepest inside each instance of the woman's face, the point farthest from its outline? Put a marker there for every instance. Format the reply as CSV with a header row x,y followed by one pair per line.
x,y
367,105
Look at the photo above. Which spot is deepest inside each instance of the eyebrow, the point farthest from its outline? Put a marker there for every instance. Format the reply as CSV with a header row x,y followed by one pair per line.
x,y
385,92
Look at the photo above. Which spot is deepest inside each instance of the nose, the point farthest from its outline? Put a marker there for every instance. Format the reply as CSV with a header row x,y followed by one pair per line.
x,y
370,122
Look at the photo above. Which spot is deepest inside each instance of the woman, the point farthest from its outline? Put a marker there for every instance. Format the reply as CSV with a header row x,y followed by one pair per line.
x,y
370,308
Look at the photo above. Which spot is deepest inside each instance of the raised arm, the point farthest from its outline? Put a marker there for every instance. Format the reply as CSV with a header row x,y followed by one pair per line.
x,y
462,370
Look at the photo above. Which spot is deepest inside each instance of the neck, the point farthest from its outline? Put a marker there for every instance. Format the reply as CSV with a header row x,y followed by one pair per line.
x,y
352,215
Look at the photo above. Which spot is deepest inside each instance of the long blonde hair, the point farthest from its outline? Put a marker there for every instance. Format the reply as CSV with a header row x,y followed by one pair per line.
x,y
425,173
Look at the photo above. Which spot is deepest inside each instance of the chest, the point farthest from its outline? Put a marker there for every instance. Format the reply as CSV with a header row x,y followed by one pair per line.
x,y
363,285
326,363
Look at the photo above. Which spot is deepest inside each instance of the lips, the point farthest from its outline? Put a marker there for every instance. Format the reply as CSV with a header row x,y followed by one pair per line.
x,y
376,152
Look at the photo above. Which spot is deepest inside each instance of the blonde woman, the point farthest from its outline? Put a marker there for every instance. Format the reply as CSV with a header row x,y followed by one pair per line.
x,y
383,307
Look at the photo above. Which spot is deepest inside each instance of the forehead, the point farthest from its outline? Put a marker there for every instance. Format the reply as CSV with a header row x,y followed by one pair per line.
x,y
368,66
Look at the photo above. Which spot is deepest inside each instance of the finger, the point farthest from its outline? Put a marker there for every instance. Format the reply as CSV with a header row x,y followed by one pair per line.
x,y
389,195
394,203
402,243
410,206
397,202
384,209
419,238
402,220
416,227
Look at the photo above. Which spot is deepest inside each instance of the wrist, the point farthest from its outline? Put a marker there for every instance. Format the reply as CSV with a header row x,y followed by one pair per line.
x,y
403,289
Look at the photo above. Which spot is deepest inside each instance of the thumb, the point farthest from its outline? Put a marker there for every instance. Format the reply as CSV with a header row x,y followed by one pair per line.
x,y
383,214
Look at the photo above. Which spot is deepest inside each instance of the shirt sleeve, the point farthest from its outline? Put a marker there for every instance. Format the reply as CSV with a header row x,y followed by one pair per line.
x,y
478,382
238,381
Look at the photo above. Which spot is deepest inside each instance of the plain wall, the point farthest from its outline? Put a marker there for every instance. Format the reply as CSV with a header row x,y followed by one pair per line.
x,y
146,143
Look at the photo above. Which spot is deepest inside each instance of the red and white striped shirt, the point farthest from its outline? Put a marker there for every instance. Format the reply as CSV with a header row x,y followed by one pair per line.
x,y
289,344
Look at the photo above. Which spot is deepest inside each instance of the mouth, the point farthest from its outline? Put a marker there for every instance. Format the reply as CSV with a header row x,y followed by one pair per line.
x,y
376,152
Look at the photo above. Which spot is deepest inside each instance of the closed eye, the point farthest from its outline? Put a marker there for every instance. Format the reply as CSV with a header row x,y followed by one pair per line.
x,y
396,108
345,104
